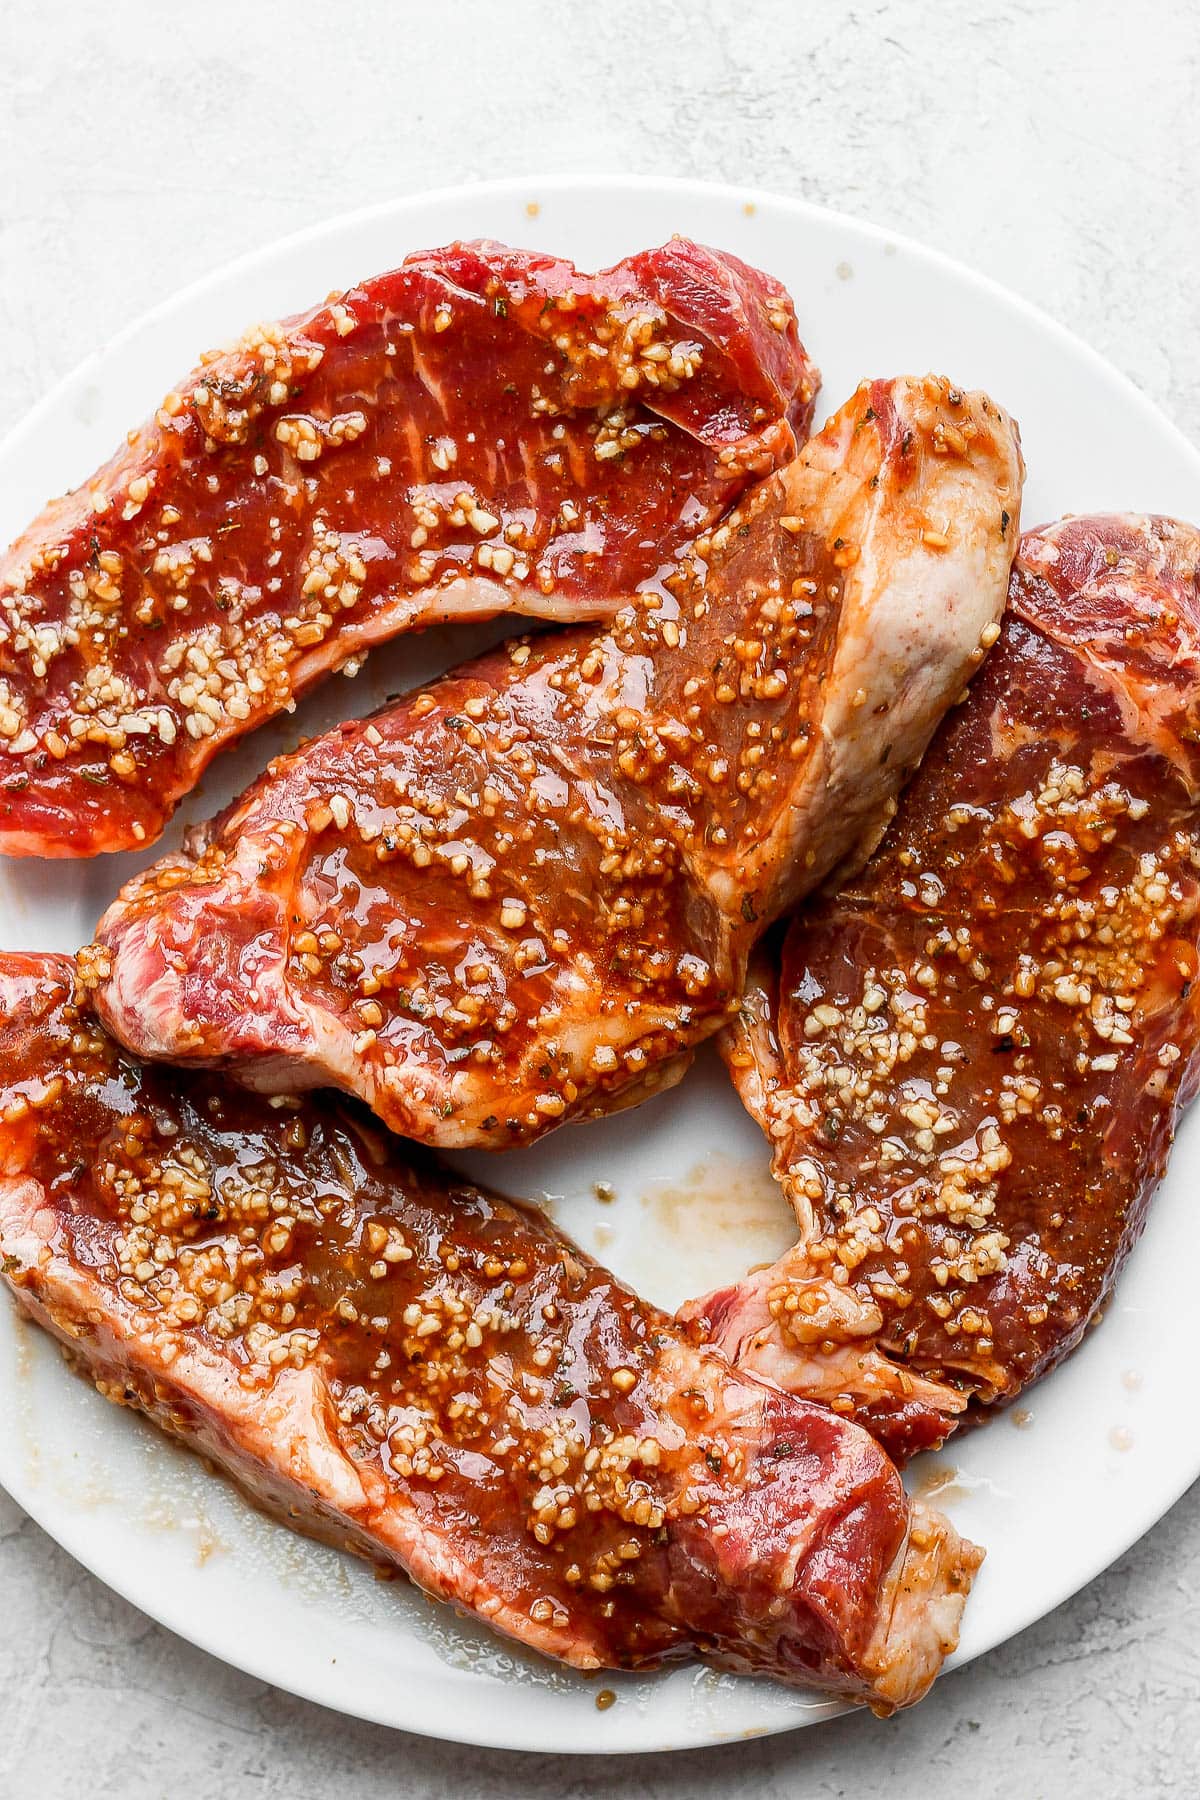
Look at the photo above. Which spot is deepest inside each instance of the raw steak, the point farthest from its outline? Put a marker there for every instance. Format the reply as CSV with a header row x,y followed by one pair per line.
x,y
481,430
971,1065
414,1369
527,893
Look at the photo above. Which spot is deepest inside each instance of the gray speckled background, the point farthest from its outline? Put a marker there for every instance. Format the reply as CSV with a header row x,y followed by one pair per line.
x,y
1054,144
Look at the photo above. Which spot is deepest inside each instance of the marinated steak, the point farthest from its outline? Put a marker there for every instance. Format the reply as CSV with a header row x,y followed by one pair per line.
x,y
972,1060
408,1366
481,430
526,893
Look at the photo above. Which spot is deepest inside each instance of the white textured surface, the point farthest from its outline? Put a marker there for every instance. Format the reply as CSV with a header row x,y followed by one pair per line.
x,y
1056,148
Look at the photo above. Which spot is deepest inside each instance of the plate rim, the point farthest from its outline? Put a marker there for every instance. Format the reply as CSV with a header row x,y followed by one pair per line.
x,y
506,185
459,1729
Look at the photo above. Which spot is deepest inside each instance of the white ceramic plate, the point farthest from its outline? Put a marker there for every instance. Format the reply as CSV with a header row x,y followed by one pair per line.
x,y
1106,1449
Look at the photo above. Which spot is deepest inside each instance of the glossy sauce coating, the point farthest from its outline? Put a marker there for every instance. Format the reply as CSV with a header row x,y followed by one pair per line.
x,y
972,1063
410,1366
479,430
526,893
